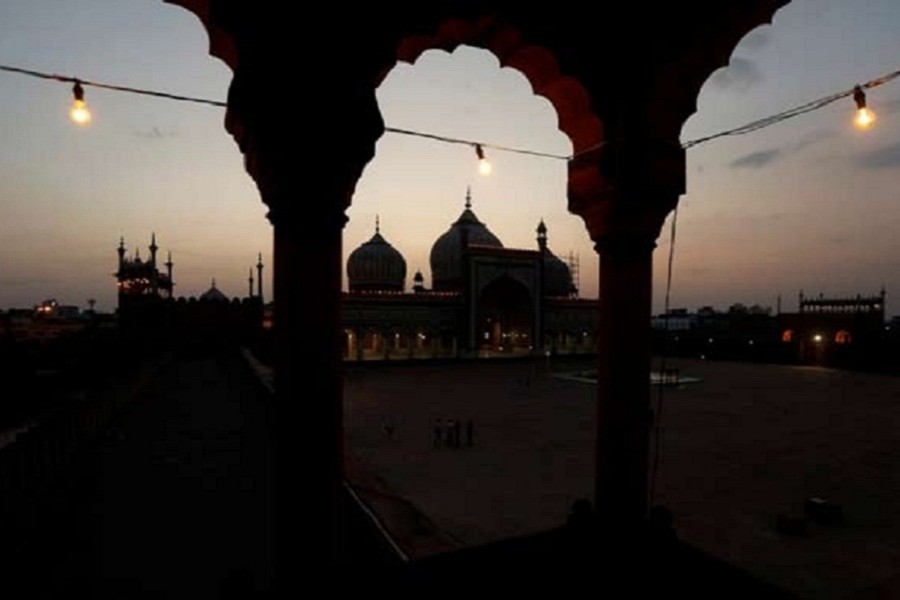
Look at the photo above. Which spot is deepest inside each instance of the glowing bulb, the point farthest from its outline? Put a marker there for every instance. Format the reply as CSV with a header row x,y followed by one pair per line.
x,y
864,118
79,113
484,165
864,115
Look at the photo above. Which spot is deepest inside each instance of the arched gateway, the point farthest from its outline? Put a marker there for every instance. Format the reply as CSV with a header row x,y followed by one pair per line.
x,y
623,78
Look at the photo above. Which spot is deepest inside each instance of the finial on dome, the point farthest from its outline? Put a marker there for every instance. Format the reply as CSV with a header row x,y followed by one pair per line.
x,y
377,224
468,196
213,283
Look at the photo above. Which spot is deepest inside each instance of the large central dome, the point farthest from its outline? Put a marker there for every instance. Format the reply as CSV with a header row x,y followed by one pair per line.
x,y
447,251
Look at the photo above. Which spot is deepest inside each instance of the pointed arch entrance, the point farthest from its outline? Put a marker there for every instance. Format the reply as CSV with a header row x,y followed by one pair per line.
x,y
635,70
505,317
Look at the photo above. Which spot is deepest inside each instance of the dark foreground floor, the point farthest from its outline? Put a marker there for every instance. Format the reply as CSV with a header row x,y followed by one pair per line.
x,y
176,503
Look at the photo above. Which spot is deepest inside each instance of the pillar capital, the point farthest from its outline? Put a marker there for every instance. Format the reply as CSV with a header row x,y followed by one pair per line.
x,y
293,215
625,188
625,243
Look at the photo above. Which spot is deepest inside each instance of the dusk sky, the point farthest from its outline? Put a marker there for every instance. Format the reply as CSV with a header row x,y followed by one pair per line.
x,y
808,204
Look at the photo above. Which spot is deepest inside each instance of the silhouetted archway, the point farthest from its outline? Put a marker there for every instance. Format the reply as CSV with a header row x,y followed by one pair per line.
x,y
505,317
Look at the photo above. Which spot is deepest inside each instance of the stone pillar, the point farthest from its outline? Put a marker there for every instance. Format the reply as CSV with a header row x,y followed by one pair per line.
x,y
308,419
623,380
623,191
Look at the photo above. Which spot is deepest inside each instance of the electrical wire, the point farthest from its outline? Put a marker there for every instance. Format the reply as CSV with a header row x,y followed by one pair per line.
x,y
661,384
107,86
743,129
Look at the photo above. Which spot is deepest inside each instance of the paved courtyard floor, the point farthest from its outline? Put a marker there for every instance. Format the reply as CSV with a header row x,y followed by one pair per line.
x,y
740,447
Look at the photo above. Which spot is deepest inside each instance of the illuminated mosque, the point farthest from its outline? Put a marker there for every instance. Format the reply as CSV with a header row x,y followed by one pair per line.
x,y
485,299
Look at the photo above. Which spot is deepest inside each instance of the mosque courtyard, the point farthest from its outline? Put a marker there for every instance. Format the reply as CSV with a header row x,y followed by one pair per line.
x,y
741,450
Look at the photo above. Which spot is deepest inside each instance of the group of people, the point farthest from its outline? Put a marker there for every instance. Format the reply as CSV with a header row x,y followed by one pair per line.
x,y
448,433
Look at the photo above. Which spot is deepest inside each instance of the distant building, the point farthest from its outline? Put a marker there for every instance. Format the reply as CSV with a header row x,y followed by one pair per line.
x,y
842,331
485,299
46,322
739,333
148,309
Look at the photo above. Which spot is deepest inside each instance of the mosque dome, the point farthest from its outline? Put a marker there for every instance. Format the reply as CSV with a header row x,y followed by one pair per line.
x,y
557,278
213,294
376,265
447,252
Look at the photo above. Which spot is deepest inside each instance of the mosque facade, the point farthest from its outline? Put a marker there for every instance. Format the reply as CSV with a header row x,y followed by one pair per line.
x,y
485,299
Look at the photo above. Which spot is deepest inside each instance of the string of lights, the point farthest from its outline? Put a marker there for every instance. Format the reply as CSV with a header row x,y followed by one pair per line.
x,y
107,86
864,116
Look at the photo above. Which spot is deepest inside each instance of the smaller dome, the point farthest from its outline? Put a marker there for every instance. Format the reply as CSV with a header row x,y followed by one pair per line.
x,y
213,294
557,278
376,265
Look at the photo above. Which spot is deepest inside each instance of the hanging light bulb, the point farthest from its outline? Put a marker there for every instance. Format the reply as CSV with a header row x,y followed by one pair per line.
x,y
79,113
484,165
864,115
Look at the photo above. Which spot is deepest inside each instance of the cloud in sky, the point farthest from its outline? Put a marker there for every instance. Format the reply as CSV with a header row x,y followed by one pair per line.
x,y
756,160
154,133
763,158
740,74
883,158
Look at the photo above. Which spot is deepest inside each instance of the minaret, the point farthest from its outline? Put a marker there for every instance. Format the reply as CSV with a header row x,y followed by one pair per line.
x,y
154,274
169,265
542,237
542,245
250,281
153,249
259,269
121,251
